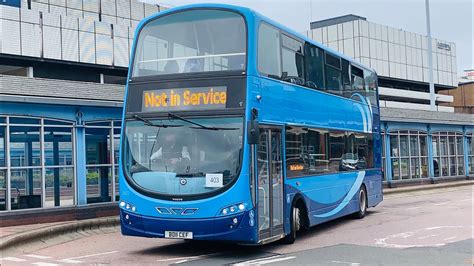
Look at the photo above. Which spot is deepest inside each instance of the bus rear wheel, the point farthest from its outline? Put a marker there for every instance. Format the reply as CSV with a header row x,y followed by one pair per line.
x,y
295,223
362,204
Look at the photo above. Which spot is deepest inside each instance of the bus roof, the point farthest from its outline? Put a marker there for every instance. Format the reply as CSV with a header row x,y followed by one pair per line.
x,y
250,13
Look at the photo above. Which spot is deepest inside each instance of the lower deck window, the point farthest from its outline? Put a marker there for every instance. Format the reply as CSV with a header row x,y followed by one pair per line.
x,y
312,151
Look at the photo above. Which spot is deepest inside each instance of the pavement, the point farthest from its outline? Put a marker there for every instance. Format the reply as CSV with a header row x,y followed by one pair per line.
x,y
410,224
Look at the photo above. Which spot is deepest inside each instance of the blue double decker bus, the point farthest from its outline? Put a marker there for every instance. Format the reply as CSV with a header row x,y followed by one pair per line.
x,y
238,129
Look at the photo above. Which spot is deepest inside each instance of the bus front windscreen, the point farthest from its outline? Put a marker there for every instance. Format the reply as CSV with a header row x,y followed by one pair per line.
x,y
183,156
191,41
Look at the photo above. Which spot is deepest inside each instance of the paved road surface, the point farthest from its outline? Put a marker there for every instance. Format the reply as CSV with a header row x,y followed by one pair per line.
x,y
425,227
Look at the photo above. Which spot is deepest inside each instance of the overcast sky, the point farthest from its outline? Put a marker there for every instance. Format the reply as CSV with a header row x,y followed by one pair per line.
x,y
451,20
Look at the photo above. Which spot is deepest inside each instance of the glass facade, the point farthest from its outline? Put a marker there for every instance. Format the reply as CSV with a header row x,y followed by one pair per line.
x,y
448,154
102,151
36,163
470,152
409,155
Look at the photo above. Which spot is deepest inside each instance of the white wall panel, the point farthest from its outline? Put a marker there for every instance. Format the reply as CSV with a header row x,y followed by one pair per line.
x,y
435,60
150,10
373,48
69,23
378,31
372,33
39,7
403,54
12,44
364,28
75,4
137,10
123,8
409,56
58,10
454,78
379,48
91,5
121,52
356,28
104,50
131,32
402,39
9,12
70,45
349,47
391,33
86,25
123,21
365,47
87,47
109,19
30,39
108,7
384,50
53,20
348,30
57,2
391,52
94,16
365,61
403,71
332,33
74,13
120,31
103,28
340,34
29,16
384,33
317,35
357,52
52,42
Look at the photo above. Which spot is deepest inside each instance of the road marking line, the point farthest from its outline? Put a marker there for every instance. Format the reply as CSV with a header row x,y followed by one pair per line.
x,y
276,260
465,200
185,259
92,255
442,203
189,257
255,260
45,264
71,261
449,238
345,262
38,256
412,208
13,259
428,236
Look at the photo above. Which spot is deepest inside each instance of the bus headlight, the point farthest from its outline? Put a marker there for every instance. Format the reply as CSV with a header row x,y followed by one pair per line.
x,y
127,206
233,209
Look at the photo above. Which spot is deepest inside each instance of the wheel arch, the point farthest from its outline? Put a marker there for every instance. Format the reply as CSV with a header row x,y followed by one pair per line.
x,y
300,202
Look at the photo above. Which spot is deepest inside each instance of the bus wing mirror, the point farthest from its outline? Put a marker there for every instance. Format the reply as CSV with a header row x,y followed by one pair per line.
x,y
253,131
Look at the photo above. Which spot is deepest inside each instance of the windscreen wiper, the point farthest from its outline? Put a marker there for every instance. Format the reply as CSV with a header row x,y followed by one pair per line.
x,y
199,126
149,123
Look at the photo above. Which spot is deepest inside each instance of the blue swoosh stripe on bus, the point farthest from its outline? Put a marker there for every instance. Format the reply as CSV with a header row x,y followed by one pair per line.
x,y
354,189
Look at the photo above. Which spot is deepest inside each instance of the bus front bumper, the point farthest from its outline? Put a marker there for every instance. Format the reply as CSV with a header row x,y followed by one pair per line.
x,y
217,228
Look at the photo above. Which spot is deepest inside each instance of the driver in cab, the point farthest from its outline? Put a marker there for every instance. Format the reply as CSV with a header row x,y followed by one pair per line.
x,y
171,150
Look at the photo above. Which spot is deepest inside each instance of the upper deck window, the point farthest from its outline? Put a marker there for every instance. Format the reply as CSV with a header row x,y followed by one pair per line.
x,y
191,41
269,60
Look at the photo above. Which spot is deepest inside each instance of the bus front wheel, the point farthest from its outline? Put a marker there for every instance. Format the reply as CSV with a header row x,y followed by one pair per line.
x,y
362,204
295,223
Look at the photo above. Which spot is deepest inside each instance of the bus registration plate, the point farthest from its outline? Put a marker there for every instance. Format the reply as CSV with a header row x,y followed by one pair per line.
x,y
179,234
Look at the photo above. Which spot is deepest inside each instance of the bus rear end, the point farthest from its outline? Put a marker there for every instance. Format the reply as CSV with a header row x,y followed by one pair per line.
x,y
184,168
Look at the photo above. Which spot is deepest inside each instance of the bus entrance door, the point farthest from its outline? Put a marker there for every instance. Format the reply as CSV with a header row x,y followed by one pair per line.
x,y
270,183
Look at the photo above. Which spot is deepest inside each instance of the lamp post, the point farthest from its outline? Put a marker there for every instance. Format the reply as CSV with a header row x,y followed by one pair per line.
x,y
430,57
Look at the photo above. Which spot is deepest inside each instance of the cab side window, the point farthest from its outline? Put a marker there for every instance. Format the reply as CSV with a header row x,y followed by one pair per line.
x,y
269,61
292,60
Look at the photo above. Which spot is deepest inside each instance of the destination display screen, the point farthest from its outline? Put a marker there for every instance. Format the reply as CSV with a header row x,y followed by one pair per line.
x,y
184,99
201,95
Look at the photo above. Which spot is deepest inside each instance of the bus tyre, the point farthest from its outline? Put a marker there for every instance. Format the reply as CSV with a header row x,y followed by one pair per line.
x,y
362,204
295,225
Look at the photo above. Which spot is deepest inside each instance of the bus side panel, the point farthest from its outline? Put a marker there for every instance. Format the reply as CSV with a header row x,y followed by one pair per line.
x,y
332,196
